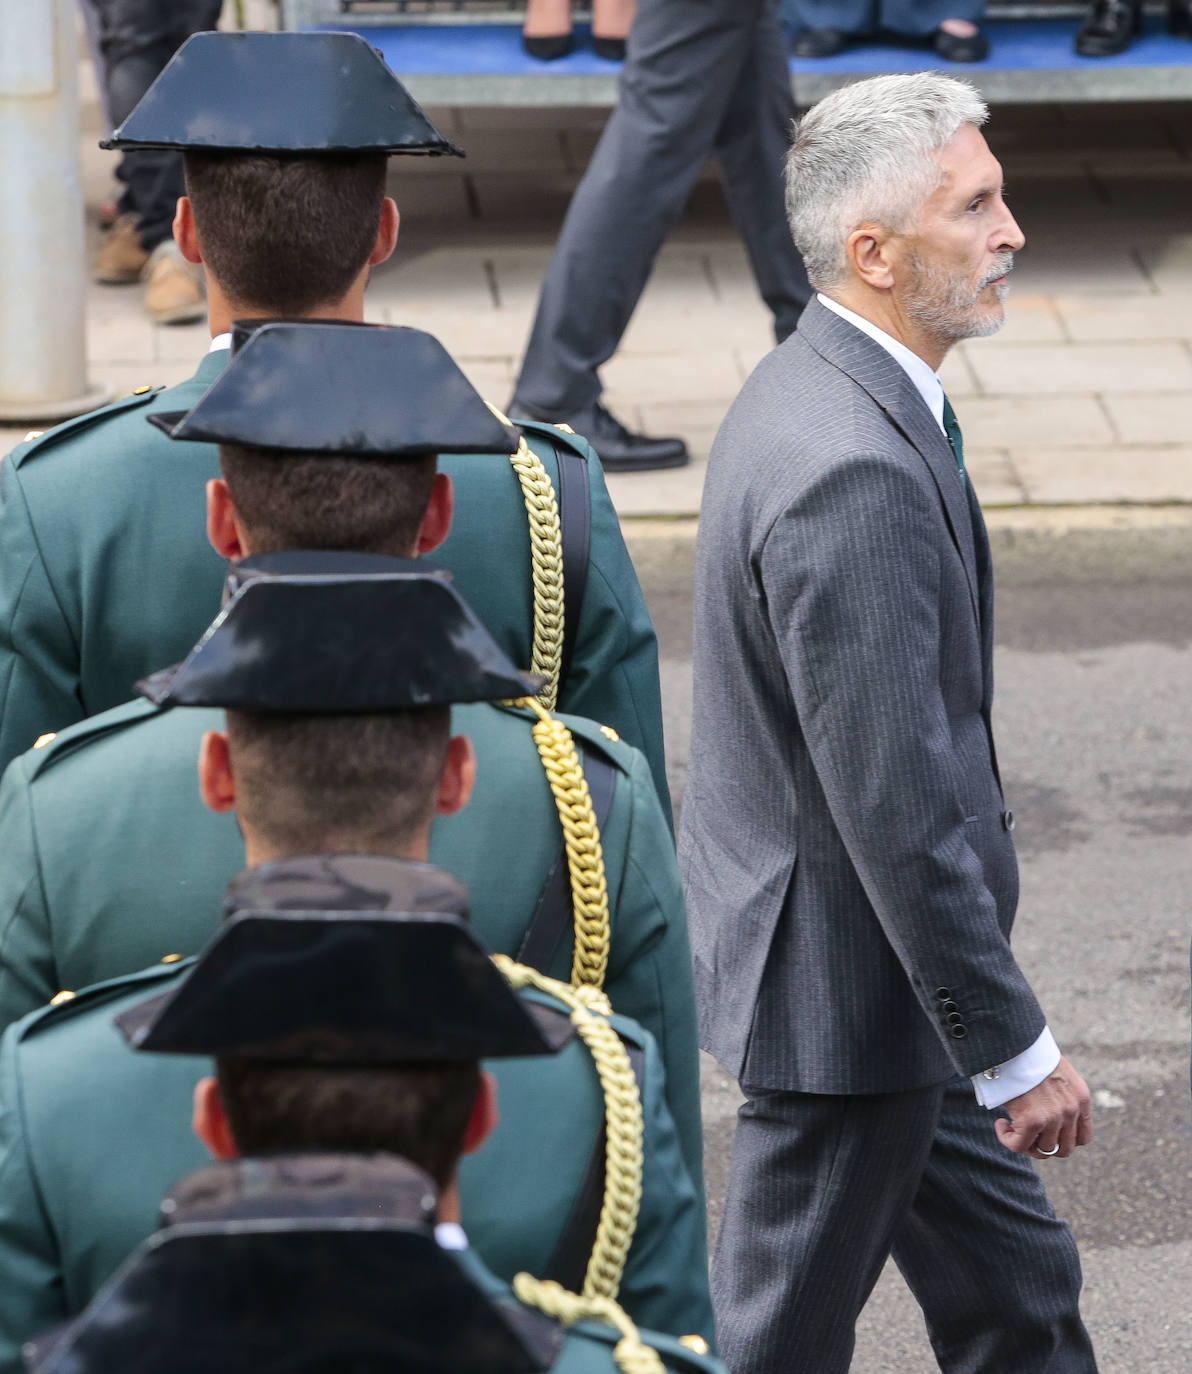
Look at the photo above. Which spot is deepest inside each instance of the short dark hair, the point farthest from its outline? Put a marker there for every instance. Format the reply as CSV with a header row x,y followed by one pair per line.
x,y
286,233
328,501
417,1111
337,783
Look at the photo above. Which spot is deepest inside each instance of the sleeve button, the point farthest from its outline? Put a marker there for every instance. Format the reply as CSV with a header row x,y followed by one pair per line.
x,y
958,1032
943,993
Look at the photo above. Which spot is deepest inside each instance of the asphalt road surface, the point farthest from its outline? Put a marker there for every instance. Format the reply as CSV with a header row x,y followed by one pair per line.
x,y
1094,727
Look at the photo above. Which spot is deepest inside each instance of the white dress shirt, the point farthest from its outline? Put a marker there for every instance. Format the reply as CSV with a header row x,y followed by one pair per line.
x,y
1028,1069
451,1236
220,341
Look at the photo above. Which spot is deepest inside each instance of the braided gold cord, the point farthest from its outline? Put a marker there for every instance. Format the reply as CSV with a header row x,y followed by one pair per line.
x,y
546,564
623,1125
581,840
631,1353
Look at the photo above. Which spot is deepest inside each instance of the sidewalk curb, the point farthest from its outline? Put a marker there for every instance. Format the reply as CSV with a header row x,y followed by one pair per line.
x,y
1030,543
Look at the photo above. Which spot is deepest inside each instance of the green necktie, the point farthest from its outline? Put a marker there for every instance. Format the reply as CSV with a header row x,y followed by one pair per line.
x,y
955,438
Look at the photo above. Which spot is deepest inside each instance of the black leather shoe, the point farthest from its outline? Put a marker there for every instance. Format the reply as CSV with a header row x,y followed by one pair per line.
x,y
619,449
818,43
1179,18
611,49
953,48
1109,28
551,48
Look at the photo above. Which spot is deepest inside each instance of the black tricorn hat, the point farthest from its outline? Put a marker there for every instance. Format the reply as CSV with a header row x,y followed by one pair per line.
x,y
323,643
344,988
370,391
317,1295
279,93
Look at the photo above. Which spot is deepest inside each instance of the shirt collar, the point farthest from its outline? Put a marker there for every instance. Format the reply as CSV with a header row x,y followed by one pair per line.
x,y
451,1236
926,382
221,341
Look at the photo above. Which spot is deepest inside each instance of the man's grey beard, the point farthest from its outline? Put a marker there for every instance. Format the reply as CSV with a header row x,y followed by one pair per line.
x,y
947,307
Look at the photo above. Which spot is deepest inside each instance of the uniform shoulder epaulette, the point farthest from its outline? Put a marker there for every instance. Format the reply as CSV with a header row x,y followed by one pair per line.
x,y
39,442
587,733
69,1002
556,434
53,748
680,1353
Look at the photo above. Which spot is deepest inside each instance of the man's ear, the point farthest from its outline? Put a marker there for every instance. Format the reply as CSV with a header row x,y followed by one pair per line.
x,y
387,228
436,521
223,525
217,787
871,253
210,1121
483,1121
186,235
459,776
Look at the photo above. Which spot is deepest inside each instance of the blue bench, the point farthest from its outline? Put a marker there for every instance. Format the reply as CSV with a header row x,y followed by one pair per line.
x,y
476,64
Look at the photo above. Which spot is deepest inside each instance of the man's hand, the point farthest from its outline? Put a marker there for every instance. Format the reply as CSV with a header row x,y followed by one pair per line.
x,y
1057,1112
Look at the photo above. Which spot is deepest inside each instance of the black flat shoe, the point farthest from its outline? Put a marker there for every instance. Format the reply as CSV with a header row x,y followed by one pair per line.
x,y
1109,28
550,48
818,43
618,448
611,49
953,48
1179,18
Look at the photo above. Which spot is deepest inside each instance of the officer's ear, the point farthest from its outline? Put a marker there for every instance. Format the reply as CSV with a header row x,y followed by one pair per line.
x,y
217,787
483,1121
186,235
223,524
458,777
436,519
210,1121
387,228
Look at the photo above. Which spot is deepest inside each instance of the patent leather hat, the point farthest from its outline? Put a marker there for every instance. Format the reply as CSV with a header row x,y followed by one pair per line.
x,y
301,93
318,1264
315,640
370,391
345,988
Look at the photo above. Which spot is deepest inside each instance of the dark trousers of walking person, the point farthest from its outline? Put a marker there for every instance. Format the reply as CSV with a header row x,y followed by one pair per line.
x,y
702,78
137,38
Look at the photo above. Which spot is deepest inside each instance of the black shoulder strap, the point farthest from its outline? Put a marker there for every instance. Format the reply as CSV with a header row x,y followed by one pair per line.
x,y
553,914
569,1261
575,520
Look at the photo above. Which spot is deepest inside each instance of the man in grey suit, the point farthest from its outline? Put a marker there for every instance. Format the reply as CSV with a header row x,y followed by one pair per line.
x,y
702,78
846,848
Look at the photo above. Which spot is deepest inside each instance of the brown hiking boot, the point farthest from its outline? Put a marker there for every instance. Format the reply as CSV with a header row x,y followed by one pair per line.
x,y
173,290
121,259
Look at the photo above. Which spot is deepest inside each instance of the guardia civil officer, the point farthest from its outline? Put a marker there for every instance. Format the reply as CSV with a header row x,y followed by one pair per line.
x,y
329,1234
125,866
337,751
104,572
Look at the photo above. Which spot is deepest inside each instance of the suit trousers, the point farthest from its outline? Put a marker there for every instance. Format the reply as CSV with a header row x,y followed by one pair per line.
x,y
702,78
822,1189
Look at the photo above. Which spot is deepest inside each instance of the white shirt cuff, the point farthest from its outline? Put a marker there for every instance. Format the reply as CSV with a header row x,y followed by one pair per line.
x,y
1018,1075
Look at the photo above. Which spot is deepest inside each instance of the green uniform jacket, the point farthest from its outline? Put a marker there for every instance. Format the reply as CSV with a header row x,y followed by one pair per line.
x,y
111,861
92,1135
106,574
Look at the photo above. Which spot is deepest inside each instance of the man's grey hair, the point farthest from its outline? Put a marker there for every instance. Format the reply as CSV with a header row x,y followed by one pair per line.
x,y
863,155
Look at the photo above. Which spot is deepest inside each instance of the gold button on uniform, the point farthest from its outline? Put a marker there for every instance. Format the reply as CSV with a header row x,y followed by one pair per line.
x,y
696,1343
170,958
33,434
59,997
42,740
609,733
141,390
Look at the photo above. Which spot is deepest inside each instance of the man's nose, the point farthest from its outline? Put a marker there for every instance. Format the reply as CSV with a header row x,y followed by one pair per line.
x,y
1009,235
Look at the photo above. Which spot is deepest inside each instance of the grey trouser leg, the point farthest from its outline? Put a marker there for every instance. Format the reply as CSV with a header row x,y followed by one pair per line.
x,y
692,66
822,1189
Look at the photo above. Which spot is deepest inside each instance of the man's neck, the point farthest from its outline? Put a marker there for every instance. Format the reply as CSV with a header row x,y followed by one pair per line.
x,y
222,313
881,309
258,850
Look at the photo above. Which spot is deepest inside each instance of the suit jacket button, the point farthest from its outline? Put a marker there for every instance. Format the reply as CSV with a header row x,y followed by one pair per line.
x,y
958,1032
949,1006
955,1018
943,993
1008,820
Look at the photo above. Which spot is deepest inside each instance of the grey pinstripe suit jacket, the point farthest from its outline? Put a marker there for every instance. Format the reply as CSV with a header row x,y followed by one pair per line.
x,y
850,883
